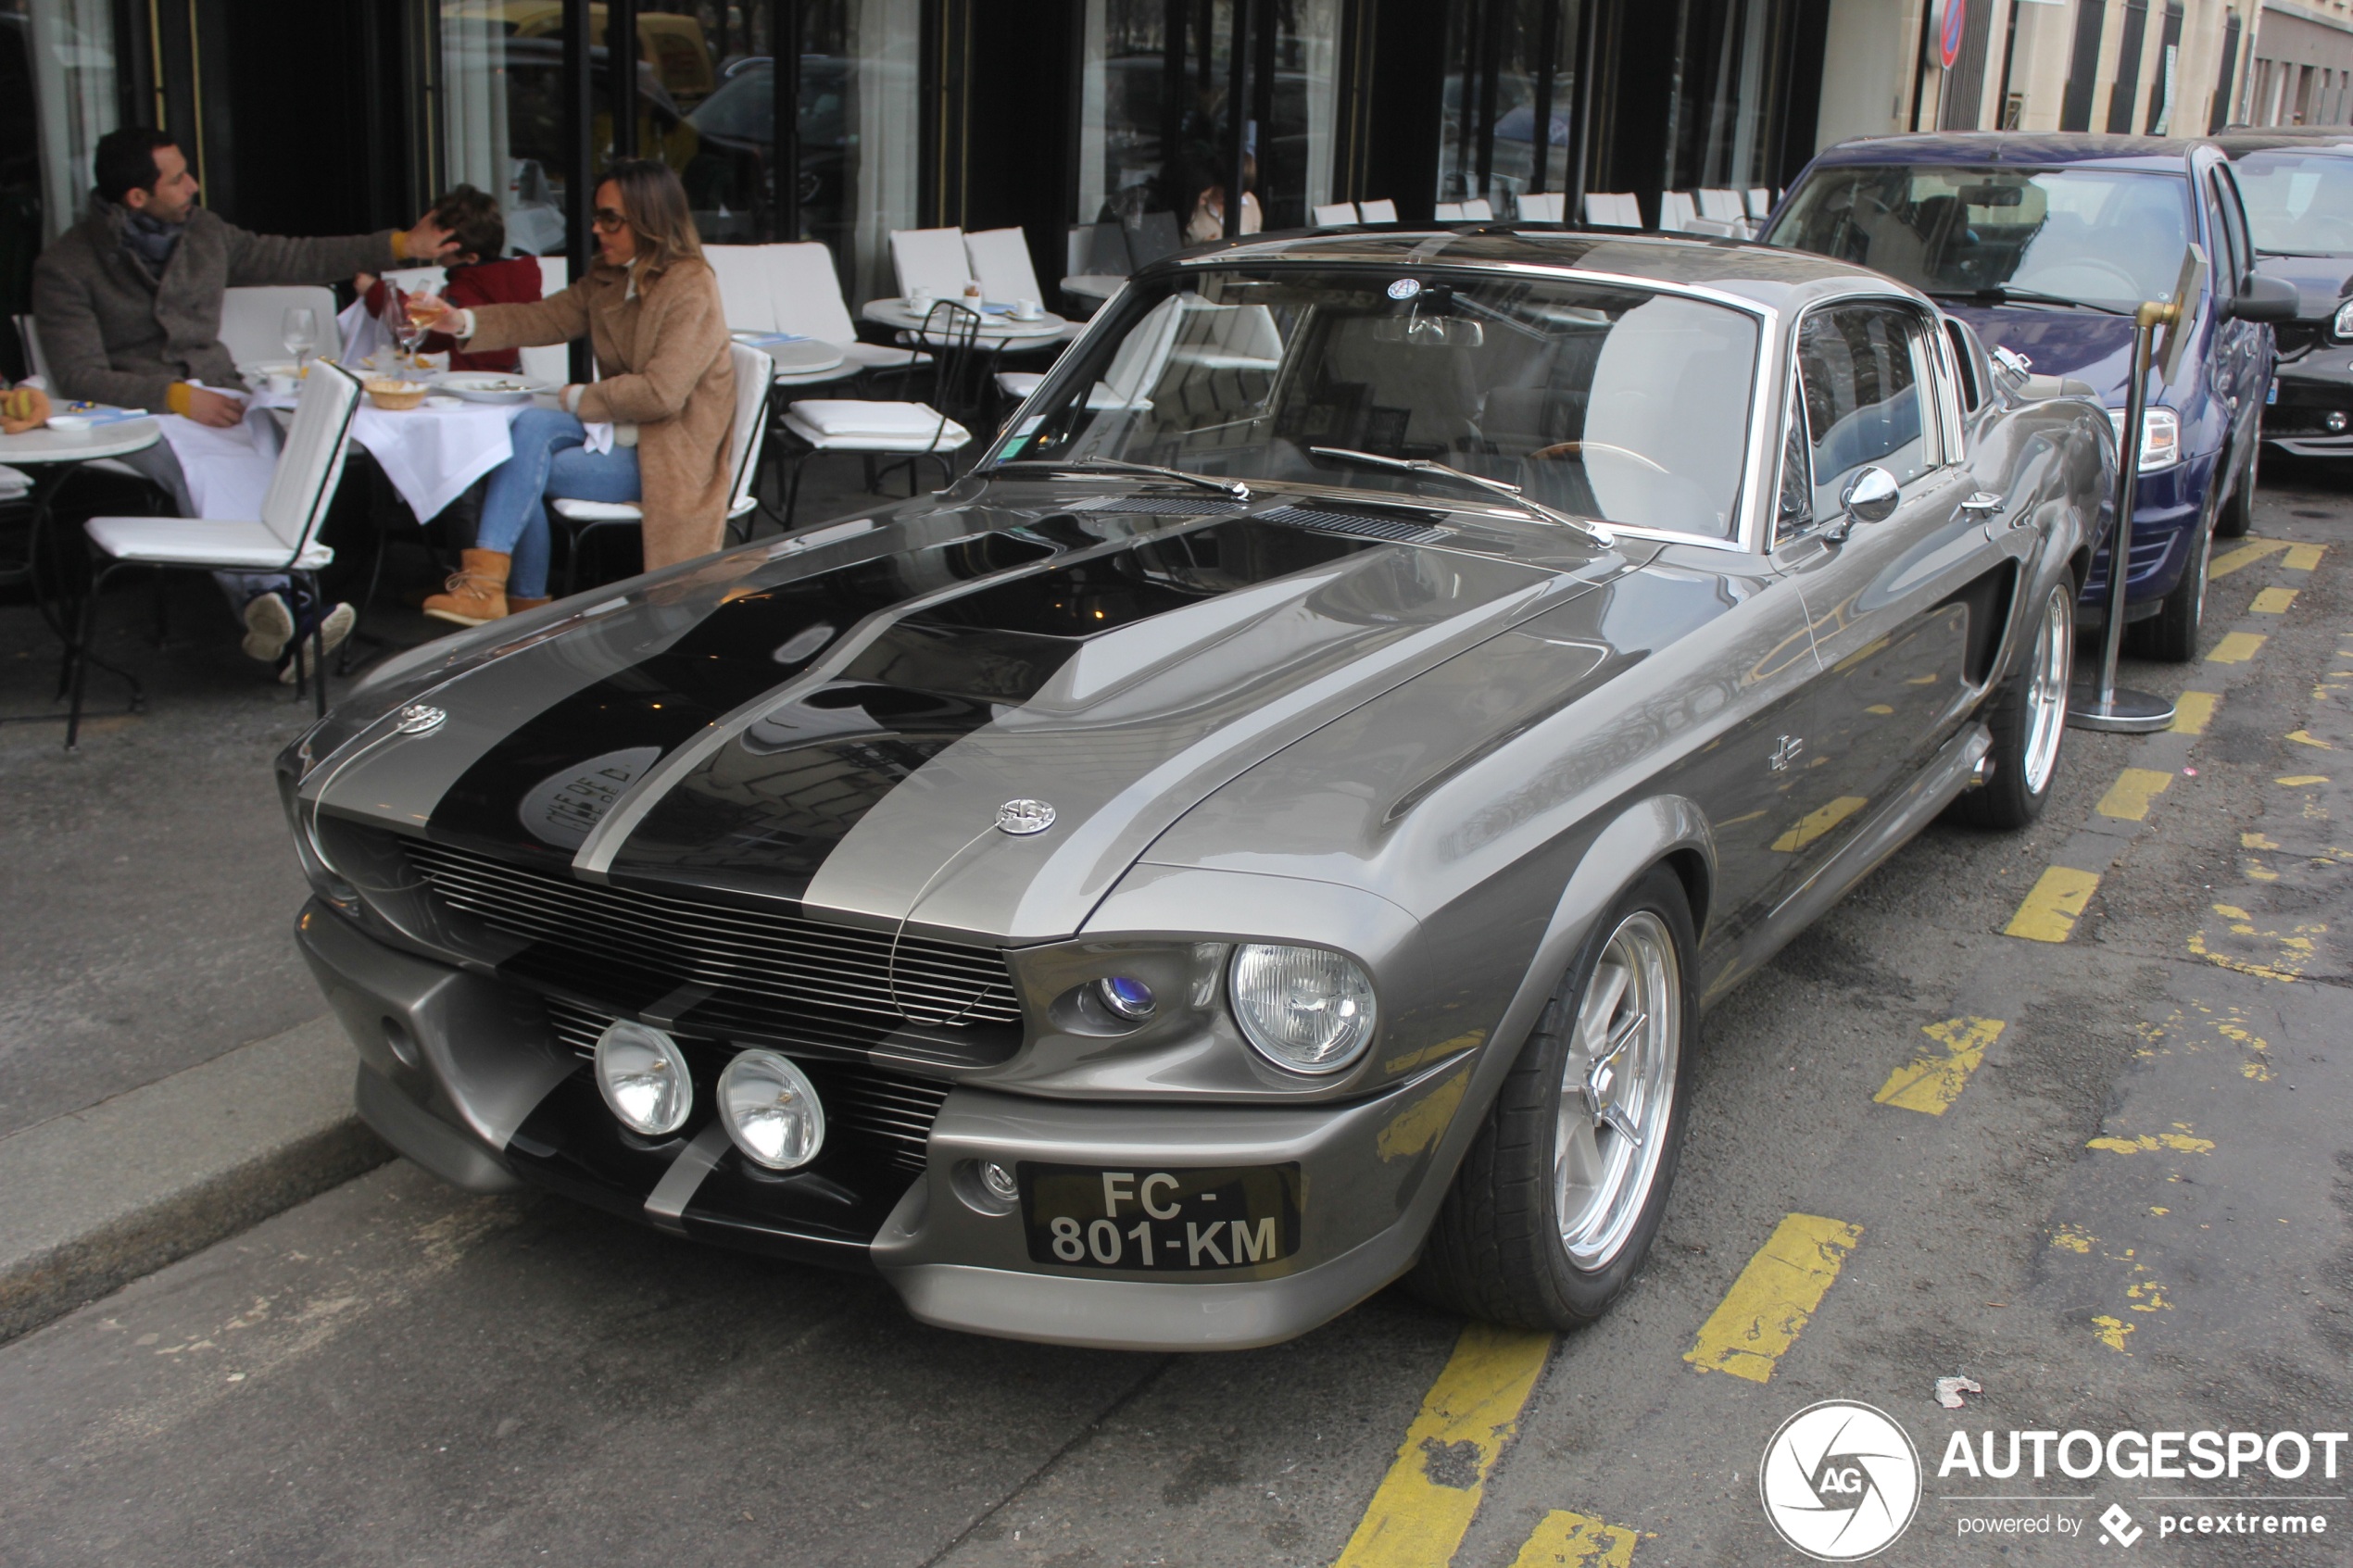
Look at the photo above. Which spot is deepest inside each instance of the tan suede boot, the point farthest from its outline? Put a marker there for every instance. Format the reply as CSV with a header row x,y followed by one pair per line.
x,y
516,606
477,593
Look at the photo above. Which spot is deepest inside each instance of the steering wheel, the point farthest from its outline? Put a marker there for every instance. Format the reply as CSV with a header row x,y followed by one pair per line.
x,y
1578,448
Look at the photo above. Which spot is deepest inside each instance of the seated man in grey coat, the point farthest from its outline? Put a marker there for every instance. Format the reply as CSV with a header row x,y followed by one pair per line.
x,y
128,302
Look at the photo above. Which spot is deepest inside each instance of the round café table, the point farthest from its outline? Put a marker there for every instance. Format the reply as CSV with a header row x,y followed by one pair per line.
x,y
49,459
1000,330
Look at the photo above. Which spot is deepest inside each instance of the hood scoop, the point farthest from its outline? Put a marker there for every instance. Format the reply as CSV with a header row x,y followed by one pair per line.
x,y
1359,525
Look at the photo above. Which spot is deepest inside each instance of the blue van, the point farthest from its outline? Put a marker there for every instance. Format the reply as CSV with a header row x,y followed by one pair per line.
x,y
2044,244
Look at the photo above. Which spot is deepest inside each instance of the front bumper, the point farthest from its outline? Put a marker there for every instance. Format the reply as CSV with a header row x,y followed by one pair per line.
x,y
2307,393
2171,504
470,1076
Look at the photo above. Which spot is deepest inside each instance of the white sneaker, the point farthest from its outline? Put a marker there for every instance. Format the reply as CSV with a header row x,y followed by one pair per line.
x,y
269,626
334,629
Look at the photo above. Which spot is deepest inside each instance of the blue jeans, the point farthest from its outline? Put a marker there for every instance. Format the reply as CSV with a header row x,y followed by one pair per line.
x,y
550,461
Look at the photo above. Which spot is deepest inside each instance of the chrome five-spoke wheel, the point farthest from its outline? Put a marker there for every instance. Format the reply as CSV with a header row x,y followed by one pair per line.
x,y
1617,1089
2053,663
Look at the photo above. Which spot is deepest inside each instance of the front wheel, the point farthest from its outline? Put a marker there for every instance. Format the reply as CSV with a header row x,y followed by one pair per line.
x,y
2170,636
2239,515
1561,1193
2027,718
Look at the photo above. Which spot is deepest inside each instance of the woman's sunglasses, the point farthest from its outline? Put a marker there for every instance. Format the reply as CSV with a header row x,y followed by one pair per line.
x,y
608,221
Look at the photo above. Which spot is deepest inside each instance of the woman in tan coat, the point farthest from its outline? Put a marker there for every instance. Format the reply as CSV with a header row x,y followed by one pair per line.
x,y
655,430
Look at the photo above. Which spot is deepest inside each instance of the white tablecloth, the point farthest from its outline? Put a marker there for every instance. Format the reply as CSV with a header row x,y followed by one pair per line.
x,y
228,471
431,455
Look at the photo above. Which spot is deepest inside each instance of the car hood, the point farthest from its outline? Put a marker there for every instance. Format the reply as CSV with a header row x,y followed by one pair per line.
x,y
2322,281
837,723
2084,344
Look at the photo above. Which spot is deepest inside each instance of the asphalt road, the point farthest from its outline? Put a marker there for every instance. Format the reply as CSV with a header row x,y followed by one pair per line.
x,y
2107,1176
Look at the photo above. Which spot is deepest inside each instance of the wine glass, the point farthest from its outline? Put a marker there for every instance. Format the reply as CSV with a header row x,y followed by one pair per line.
x,y
299,330
406,330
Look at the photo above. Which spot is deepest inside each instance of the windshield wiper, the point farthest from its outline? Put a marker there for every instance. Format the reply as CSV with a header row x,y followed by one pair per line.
x,y
1513,493
1999,294
1232,488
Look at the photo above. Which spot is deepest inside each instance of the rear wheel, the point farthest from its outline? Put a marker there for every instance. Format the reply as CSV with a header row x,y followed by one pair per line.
x,y
2170,636
2238,515
1557,1201
2028,717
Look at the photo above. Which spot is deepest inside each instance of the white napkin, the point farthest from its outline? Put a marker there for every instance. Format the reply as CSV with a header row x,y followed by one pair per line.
x,y
600,435
362,333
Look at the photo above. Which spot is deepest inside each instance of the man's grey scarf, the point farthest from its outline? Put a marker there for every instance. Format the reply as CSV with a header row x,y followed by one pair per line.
x,y
150,240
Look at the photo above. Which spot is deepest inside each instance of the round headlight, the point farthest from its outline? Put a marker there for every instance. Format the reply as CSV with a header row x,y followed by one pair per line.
x,y
772,1111
643,1077
1126,997
1302,1007
2342,325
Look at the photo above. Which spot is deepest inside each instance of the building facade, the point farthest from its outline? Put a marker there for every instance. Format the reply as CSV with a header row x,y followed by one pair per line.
x,y
1063,117
2303,72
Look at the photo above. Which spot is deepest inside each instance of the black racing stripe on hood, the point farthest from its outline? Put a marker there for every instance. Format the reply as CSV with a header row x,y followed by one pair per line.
x,y
535,796
763,812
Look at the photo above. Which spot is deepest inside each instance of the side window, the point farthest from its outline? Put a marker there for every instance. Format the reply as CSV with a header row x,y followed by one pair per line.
x,y
1795,509
2234,224
2227,260
1864,405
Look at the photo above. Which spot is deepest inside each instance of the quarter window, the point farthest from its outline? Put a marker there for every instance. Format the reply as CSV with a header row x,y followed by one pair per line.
x,y
1859,368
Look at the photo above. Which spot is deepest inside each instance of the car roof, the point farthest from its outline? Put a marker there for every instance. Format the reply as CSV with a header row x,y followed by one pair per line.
x,y
2323,140
2170,154
1769,275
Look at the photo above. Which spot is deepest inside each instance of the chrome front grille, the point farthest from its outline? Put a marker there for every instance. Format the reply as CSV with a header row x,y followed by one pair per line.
x,y
890,1110
756,964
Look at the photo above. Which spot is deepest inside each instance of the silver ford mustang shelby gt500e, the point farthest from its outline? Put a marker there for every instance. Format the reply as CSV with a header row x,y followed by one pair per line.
x,y
1273,828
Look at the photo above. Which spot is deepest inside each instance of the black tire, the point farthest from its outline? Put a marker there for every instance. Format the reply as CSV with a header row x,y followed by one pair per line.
x,y
2238,512
1496,1251
2170,636
2023,765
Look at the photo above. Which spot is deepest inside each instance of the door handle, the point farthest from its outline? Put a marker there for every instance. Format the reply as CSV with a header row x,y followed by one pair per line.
x,y
1984,505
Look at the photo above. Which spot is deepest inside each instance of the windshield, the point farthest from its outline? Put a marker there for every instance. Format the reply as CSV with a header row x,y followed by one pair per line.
x,y
1611,403
2298,203
2101,236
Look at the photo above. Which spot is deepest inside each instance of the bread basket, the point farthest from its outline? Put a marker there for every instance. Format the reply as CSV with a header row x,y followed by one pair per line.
x,y
396,395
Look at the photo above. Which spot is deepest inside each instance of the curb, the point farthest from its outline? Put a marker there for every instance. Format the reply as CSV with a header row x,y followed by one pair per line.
x,y
101,1197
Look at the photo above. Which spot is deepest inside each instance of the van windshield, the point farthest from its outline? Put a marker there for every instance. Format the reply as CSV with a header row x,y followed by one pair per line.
x,y
2105,237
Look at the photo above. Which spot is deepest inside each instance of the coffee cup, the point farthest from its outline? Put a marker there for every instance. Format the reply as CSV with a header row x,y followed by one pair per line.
x,y
1027,310
920,300
282,384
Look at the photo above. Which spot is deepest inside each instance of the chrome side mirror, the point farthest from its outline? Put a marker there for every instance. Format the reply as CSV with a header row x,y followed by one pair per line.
x,y
1870,497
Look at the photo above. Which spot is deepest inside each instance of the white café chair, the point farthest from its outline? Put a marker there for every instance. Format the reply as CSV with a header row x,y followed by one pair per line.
x,y
1332,215
29,335
1133,371
754,374
1382,211
805,294
1543,207
253,319
1447,212
1759,202
930,258
999,260
908,431
285,538
1676,212
550,365
1479,210
1613,209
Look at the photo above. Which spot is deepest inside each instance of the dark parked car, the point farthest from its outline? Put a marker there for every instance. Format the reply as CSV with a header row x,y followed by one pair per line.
x,y
2045,244
2298,187
1232,849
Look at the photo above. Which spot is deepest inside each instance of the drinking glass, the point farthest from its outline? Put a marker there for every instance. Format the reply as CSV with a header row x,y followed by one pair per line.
x,y
406,330
299,330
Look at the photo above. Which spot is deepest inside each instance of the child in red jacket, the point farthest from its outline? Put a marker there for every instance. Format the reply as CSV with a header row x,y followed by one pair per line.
x,y
478,230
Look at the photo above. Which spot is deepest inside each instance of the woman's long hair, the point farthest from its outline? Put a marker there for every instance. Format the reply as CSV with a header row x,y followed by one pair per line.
x,y
655,203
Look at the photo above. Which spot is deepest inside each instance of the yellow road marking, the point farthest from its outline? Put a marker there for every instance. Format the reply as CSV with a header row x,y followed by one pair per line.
x,y
2237,647
2274,601
2075,1238
2111,1331
2303,558
2149,1143
2244,555
1774,1299
1814,824
2128,798
1418,1517
1575,1541
1932,1082
2297,781
2193,711
2053,905
2306,737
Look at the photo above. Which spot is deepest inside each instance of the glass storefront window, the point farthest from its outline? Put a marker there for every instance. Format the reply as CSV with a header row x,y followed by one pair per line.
x,y
1155,141
1728,124
1508,62
502,122
57,95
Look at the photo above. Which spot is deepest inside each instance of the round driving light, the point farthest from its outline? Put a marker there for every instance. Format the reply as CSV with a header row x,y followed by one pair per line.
x,y
1303,1008
2335,421
999,1181
1127,997
643,1078
772,1111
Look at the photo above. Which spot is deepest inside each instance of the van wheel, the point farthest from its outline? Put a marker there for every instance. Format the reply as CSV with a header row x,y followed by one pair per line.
x,y
2238,514
2028,716
1557,1201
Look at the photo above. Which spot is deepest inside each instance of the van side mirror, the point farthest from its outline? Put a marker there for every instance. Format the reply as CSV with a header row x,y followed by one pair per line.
x,y
2265,298
1870,497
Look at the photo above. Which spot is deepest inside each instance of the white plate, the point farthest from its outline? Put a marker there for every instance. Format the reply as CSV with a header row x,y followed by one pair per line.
x,y
487,387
